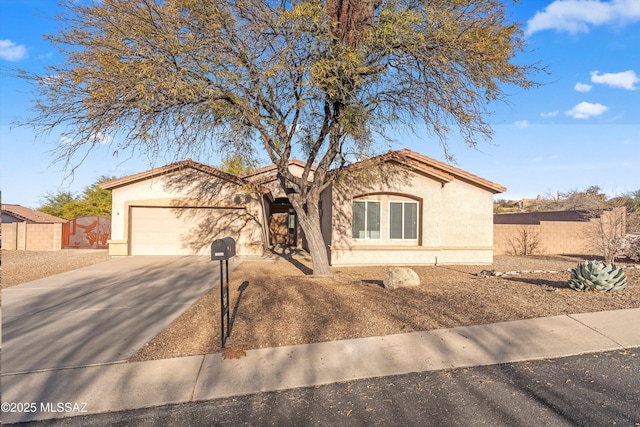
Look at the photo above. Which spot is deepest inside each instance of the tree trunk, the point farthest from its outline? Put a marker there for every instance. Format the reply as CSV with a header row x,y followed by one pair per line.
x,y
309,217
317,248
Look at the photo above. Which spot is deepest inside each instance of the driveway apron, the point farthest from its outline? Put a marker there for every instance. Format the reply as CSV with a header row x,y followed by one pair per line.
x,y
99,314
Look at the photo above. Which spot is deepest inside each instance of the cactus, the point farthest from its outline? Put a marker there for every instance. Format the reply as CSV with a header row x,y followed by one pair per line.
x,y
597,276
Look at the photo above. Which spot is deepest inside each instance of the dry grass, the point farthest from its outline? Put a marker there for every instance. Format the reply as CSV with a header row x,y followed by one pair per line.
x,y
274,304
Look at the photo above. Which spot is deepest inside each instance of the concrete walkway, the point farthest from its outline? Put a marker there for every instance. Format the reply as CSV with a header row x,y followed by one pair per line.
x,y
124,386
101,313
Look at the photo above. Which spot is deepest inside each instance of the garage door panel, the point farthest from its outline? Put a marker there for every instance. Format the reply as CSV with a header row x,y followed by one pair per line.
x,y
181,231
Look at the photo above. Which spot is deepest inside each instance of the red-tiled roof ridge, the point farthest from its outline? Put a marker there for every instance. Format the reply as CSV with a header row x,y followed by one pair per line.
x,y
273,167
30,215
439,170
162,170
400,157
459,173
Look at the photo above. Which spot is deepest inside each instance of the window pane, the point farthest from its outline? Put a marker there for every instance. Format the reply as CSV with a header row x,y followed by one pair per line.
x,y
395,220
373,220
358,220
410,220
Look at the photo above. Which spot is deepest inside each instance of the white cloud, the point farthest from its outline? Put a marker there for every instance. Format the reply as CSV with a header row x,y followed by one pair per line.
x,y
65,140
550,114
584,110
582,87
98,138
101,138
9,51
625,79
521,124
576,16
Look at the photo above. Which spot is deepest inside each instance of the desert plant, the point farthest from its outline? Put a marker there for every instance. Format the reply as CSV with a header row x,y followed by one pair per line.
x,y
597,276
632,247
606,235
525,241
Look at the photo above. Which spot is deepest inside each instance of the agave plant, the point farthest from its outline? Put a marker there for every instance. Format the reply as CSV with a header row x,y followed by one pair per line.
x,y
597,276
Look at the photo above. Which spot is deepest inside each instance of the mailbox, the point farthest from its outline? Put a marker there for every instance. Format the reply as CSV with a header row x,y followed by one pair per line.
x,y
223,249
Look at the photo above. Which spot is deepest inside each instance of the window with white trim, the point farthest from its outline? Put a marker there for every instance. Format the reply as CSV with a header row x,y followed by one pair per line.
x,y
366,220
403,220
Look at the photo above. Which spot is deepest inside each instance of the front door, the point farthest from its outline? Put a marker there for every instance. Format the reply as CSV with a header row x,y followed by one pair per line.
x,y
283,228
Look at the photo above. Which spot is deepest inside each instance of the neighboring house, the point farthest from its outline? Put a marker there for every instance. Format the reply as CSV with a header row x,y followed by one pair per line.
x,y
399,208
28,229
18,213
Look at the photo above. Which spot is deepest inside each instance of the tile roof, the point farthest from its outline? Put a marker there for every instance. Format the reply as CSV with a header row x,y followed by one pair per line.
x,y
433,168
29,215
268,173
448,169
423,164
110,185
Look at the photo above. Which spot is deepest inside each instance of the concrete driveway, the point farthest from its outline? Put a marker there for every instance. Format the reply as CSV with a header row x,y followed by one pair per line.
x,y
99,314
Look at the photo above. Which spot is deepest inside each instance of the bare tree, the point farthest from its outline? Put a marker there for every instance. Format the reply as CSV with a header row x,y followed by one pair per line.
x,y
304,77
607,233
525,242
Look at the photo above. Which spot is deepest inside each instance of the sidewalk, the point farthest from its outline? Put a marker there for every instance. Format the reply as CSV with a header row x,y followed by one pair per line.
x,y
124,386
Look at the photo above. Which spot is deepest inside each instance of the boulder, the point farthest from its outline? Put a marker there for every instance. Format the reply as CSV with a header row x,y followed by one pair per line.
x,y
401,277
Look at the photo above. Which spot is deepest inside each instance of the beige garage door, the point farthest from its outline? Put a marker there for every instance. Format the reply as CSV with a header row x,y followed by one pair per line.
x,y
180,231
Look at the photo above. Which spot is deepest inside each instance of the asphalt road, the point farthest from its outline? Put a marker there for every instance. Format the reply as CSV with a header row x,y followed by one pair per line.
x,y
589,390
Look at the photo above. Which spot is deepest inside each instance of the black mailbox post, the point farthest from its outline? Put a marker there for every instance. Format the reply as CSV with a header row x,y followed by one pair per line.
x,y
222,250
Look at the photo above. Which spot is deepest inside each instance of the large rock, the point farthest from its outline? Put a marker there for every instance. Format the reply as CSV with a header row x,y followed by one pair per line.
x,y
401,277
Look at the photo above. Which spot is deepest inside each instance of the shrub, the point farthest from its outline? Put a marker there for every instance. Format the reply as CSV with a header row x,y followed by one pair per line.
x,y
631,247
597,276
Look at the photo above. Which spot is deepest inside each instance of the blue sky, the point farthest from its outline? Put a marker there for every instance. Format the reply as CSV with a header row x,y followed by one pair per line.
x,y
581,128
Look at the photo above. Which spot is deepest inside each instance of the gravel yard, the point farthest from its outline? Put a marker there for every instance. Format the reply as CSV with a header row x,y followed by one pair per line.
x,y
273,303
25,266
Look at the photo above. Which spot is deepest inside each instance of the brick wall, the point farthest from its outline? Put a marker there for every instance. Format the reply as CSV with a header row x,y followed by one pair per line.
x,y
31,237
556,237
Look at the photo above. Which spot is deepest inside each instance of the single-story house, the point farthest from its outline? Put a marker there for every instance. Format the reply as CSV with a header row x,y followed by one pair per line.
x,y
19,213
399,208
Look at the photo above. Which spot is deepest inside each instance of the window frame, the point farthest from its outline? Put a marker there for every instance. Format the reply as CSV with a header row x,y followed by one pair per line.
x,y
402,219
367,231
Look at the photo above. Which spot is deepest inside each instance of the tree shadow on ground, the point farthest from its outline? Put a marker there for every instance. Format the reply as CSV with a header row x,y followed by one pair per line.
x,y
374,282
293,256
558,284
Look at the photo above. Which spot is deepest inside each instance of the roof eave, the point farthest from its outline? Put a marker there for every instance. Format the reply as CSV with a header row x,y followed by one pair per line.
x,y
163,170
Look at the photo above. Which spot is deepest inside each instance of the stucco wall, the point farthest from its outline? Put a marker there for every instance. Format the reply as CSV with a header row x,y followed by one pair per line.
x,y
32,236
455,222
181,190
467,215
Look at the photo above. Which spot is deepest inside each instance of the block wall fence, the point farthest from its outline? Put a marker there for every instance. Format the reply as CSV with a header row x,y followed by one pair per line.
x,y
559,237
31,237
